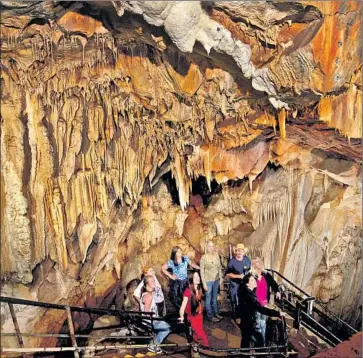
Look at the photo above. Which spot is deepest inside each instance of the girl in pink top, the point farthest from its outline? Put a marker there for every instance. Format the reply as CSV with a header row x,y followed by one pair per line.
x,y
265,283
261,290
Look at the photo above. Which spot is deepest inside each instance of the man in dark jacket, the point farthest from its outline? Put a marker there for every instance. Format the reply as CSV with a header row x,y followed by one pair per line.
x,y
265,284
250,307
238,267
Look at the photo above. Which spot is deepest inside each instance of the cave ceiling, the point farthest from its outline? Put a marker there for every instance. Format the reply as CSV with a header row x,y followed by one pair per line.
x,y
109,96
195,78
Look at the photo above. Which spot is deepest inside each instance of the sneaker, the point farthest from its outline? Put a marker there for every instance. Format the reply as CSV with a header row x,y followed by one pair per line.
x,y
154,349
234,352
218,316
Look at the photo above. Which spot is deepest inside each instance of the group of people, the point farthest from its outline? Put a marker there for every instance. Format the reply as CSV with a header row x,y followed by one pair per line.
x,y
250,287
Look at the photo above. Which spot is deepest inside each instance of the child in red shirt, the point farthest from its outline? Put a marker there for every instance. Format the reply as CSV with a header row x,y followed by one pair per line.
x,y
192,306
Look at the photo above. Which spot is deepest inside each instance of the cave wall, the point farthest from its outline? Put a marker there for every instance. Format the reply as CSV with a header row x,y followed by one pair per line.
x,y
100,101
304,224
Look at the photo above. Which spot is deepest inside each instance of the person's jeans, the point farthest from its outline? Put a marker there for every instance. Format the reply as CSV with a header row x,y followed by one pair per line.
x,y
162,330
250,335
234,291
211,303
262,326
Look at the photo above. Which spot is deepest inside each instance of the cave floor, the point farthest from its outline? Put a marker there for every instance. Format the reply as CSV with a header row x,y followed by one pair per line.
x,y
222,334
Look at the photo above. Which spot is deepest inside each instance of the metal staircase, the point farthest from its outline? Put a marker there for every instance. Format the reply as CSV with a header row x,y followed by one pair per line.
x,y
303,310
311,313
69,341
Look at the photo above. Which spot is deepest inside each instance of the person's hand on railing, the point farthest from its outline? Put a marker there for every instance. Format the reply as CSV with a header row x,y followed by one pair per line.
x,y
282,314
205,287
278,296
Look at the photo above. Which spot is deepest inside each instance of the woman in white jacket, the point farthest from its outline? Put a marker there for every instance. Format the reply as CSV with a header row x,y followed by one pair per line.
x,y
158,294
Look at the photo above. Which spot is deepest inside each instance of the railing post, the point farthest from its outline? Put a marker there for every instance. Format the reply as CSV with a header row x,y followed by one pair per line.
x,y
286,337
297,315
71,331
310,307
282,301
16,326
289,296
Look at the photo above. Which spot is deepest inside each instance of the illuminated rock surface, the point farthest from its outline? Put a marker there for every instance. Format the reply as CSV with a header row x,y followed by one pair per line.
x,y
111,111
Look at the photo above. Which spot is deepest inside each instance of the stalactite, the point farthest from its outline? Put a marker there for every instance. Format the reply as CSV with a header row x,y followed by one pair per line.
x,y
41,168
282,121
182,180
55,217
275,209
207,169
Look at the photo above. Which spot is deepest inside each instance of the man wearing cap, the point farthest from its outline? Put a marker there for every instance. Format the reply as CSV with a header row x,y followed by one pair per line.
x,y
238,267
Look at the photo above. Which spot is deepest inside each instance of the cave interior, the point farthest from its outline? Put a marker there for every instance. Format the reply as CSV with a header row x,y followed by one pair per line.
x,y
131,127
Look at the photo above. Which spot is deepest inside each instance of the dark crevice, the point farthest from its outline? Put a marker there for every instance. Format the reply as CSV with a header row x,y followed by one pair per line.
x,y
200,187
26,177
170,183
53,143
27,155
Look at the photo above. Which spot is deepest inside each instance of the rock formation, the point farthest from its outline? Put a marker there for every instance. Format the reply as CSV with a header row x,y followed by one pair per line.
x,y
111,111
351,348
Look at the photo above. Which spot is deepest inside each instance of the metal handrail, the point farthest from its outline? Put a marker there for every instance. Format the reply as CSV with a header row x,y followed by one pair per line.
x,y
327,340
87,348
139,315
321,326
73,336
289,282
321,304
65,335
126,315
101,311
316,301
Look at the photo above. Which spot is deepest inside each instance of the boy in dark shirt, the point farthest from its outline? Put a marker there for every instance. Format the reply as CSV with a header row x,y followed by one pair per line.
x,y
237,268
